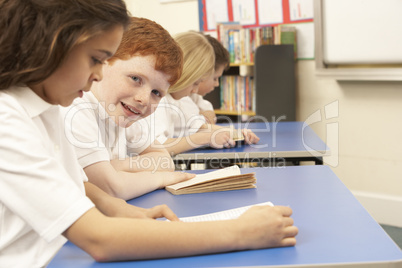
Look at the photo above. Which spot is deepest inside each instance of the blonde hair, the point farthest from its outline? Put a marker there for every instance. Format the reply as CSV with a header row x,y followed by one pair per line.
x,y
199,59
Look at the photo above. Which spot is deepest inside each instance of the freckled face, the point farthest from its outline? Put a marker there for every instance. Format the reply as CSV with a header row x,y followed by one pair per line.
x,y
82,66
131,89
211,82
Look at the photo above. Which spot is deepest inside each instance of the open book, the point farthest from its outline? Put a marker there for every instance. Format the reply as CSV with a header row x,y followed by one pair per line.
x,y
238,136
223,215
225,179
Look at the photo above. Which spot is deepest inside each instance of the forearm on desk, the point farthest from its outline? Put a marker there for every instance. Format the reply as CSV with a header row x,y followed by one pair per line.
x,y
179,145
210,116
158,160
121,184
154,158
114,239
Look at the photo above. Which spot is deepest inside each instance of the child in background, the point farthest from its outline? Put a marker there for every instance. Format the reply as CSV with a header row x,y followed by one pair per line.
x,y
117,155
50,52
177,122
222,62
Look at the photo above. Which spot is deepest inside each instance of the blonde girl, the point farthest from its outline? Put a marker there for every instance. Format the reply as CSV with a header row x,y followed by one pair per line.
x,y
177,122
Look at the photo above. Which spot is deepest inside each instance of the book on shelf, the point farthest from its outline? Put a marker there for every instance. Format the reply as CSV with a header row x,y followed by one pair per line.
x,y
242,42
222,29
237,93
225,179
225,34
289,36
229,214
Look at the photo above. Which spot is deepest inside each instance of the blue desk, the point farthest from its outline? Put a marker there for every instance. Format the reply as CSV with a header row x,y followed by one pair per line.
x,y
279,142
334,228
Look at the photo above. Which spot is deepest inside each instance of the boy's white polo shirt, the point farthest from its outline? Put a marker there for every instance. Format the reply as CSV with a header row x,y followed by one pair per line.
x,y
95,135
41,182
202,104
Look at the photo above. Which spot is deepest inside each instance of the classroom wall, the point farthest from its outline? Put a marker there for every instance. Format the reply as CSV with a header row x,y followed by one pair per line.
x,y
360,120
370,132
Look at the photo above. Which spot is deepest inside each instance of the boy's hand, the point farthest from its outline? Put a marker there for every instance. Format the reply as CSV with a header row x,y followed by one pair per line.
x,y
222,138
169,178
249,136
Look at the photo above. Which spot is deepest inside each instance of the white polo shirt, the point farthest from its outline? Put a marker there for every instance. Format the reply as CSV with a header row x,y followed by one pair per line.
x,y
174,118
95,135
41,182
202,104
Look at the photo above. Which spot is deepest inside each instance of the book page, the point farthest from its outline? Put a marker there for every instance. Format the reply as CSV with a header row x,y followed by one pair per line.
x,y
221,173
223,215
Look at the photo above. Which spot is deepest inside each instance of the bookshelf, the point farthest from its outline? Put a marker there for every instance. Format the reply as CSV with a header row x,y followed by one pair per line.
x,y
236,113
239,95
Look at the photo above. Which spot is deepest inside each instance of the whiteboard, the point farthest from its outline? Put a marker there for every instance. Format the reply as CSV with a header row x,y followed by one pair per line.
x,y
362,31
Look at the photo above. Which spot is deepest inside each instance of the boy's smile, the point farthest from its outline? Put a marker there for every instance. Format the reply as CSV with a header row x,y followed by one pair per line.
x,y
130,109
130,88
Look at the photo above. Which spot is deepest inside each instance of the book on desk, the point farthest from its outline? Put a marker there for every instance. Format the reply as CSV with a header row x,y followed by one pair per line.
x,y
225,179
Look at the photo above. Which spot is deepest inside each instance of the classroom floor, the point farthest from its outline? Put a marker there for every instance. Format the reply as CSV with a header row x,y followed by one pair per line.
x,y
395,233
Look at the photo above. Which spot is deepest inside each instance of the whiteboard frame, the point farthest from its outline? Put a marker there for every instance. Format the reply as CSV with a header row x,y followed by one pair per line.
x,y
347,72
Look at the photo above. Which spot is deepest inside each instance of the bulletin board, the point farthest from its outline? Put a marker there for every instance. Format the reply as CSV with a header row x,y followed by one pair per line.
x,y
258,13
253,13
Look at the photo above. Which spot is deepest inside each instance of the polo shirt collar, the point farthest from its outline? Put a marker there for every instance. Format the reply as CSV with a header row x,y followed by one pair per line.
x,y
32,103
101,110
170,99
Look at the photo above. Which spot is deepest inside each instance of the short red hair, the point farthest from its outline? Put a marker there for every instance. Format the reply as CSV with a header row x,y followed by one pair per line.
x,y
145,37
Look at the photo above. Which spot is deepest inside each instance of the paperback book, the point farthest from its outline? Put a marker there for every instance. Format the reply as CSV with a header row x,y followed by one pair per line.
x,y
225,179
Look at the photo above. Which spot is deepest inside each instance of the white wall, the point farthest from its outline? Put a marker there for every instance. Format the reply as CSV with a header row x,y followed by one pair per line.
x,y
175,17
369,136
370,133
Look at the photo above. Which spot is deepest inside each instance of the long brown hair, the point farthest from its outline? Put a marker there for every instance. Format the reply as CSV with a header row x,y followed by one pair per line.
x,y
37,35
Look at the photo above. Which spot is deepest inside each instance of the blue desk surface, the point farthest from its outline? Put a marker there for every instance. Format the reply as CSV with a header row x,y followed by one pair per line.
x,y
281,139
333,227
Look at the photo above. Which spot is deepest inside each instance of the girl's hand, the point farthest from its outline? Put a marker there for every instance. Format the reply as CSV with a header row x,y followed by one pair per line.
x,y
267,226
160,211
